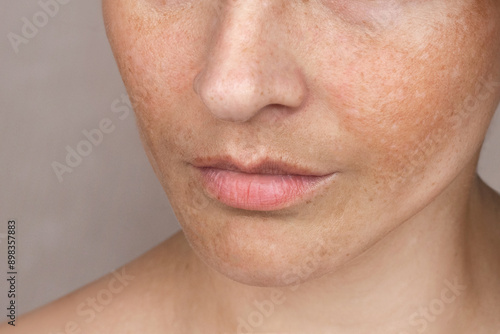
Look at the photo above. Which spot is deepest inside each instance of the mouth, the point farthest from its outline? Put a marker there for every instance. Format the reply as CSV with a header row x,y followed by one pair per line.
x,y
264,186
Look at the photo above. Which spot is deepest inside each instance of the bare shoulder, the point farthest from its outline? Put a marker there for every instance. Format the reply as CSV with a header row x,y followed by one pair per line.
x,y
126,300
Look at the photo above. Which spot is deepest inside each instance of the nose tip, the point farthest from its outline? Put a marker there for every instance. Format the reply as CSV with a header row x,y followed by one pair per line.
x,y
229,97
239,93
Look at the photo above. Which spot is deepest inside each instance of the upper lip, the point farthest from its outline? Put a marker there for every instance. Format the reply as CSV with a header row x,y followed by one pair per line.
x,y
265,165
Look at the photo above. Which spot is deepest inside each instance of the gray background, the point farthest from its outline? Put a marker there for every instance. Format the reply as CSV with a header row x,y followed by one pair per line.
x,y
111,208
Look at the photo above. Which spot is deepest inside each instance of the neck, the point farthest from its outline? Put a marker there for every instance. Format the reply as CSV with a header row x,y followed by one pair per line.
x,y
419,278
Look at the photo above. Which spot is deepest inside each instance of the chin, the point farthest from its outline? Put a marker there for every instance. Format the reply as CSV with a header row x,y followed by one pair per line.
x,y
274,260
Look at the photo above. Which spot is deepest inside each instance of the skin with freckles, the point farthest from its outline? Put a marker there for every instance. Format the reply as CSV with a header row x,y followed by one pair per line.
x,y
380,103
395,97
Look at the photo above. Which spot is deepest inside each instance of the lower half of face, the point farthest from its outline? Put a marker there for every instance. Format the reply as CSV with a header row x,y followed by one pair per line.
x,y
391,98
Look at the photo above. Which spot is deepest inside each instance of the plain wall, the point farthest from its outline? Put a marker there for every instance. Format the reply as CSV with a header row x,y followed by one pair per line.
x,y
110,208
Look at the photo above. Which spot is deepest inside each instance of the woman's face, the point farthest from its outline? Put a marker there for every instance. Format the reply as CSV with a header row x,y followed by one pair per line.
x,y
392,96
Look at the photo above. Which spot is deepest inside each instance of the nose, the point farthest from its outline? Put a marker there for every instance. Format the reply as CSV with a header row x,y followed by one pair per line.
x,y
249,66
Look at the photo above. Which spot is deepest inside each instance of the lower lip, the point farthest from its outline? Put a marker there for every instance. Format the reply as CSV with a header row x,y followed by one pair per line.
x,y
259,192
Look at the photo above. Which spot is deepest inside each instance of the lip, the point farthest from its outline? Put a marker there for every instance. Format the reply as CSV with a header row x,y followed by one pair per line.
x,y
265,186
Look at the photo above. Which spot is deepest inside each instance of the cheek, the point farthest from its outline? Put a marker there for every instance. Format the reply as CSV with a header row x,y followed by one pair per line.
x,y
408,120
156,50
156,54
413,109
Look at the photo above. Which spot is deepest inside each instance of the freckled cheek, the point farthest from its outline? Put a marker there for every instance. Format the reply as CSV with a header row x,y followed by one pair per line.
x,y
159,82
159,76
398,130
